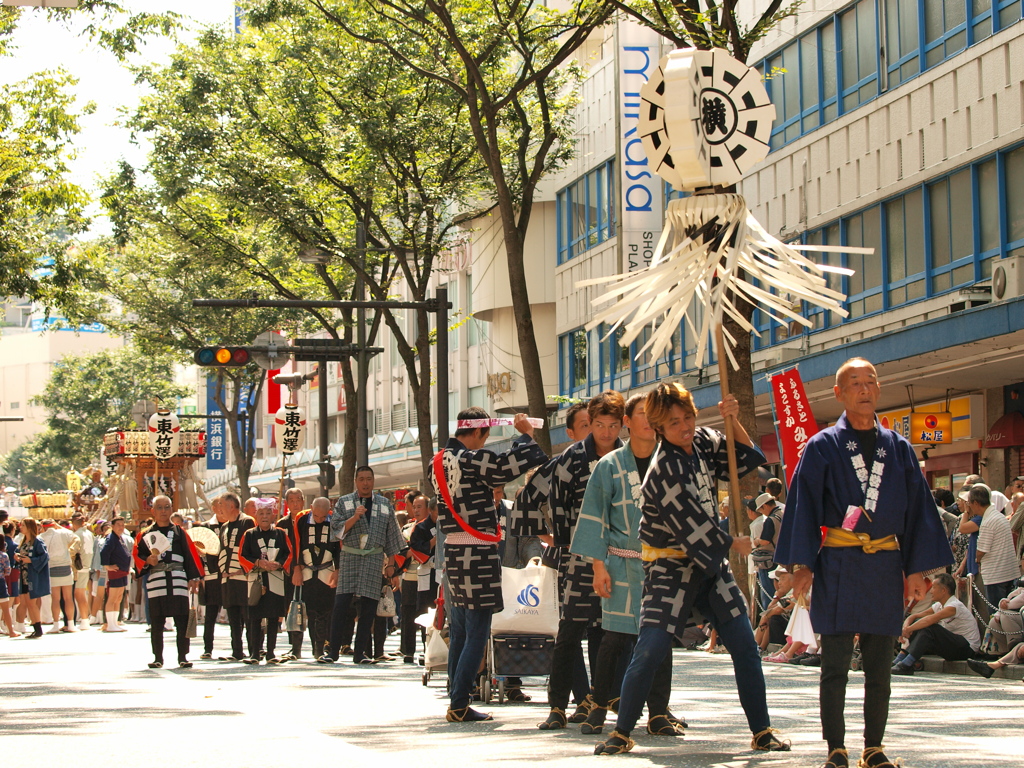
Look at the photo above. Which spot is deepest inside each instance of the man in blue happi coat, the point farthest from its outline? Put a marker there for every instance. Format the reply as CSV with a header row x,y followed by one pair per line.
x,y
863,484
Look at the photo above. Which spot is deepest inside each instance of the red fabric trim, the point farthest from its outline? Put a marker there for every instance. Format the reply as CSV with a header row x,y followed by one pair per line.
x,y
287,567
446,494
247,566
139,562
195,553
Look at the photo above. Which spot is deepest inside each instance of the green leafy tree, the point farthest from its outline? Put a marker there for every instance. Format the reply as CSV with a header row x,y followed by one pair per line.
x,y
511,63
152,287
88,394
40,210
32,467
265,150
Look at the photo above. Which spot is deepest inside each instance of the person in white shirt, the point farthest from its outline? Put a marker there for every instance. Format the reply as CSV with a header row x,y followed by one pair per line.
x,y
81,530
62,544
947,629
997,558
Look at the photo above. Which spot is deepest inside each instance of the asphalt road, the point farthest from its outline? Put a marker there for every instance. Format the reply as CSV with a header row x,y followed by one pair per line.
x,y
88,700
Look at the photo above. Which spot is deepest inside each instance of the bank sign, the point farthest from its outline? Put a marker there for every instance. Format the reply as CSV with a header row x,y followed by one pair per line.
x,y
643,204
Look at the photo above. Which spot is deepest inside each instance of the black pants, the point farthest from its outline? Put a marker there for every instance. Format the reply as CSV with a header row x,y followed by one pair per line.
x,y
568,645
381,625
319,627
940,641
410,612
255,635
210,627
614,647
238,618
366,608
157,619
836,652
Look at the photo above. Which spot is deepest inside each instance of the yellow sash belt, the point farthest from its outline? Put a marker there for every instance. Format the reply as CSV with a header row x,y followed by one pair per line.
x,y
649,554
840,537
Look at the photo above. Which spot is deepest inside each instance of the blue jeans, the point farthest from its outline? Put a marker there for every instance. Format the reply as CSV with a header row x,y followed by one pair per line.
x,y
734,633
469,629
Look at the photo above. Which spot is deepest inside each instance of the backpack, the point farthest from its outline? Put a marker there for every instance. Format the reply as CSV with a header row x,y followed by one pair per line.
x,y
763,557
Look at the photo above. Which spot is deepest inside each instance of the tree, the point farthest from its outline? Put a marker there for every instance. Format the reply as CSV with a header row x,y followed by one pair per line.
x,y
152,285
510,62
270,135
687,25
88,394
40,210
30,466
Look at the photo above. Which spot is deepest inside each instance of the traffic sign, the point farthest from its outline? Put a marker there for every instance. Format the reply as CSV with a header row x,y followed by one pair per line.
x,y
270,350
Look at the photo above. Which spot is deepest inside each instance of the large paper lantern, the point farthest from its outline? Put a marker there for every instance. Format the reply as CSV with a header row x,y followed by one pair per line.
x,y
164,434
290,428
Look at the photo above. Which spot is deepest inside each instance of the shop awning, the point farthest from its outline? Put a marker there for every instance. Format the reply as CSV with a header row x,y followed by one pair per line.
x,y
1007,432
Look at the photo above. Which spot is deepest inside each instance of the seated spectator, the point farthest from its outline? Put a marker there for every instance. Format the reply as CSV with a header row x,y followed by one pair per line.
x,y
1006,627
772,627
988,668
947,629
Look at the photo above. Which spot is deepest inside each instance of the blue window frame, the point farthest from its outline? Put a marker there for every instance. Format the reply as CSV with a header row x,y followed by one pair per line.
x,y
586,212
834,68
934,238
573,355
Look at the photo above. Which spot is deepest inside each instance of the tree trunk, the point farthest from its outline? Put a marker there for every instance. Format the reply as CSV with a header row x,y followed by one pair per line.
x,y
529,355
421,396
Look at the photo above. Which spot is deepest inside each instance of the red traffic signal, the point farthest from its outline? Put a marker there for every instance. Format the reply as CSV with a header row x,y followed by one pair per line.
x,y
222,357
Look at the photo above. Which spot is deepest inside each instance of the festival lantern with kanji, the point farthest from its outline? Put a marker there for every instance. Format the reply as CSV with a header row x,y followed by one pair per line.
x,y
705,120
164,435
290,428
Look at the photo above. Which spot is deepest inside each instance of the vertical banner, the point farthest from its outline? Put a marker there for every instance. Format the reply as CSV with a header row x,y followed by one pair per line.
x,y
643,204
246,410
216,450
794,417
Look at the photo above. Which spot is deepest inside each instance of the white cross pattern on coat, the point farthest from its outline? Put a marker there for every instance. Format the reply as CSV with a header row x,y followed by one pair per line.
x,y
670,495
701,532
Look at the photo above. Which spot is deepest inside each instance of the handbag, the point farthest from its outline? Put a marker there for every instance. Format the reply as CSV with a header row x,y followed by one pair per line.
x,y
295,619
530,597
192,629
255,590
386,605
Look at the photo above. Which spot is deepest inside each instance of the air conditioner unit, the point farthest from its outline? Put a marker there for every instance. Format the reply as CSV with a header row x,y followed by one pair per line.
x,y
1008,278
781,356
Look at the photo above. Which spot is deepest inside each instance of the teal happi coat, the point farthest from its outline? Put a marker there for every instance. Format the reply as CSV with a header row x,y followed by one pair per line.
x,y
610,517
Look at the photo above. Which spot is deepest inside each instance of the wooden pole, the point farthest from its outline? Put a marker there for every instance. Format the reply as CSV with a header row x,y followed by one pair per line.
x,y
735,503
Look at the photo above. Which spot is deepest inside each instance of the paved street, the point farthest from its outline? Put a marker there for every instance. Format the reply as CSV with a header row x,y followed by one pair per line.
x,y
89,700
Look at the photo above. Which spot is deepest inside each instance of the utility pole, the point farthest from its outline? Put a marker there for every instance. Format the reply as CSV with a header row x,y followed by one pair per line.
x,y
363,375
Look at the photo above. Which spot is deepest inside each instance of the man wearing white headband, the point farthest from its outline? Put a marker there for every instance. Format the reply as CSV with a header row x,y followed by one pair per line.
x,y
464,474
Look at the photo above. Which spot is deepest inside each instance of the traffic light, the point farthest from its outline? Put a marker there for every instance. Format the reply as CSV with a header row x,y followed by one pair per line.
x,y
327,476
221,357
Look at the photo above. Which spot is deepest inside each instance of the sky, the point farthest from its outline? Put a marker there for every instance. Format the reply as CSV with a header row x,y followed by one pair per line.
x,y
42,43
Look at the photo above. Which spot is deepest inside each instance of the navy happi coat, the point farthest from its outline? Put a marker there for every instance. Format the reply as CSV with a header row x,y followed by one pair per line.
x,y
680,512
855,591
474,570
568,485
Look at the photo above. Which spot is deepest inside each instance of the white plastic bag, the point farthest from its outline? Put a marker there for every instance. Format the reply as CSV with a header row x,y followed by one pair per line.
x,y
436,655
799,629
530,595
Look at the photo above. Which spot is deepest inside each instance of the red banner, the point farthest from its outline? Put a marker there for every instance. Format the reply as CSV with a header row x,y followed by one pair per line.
x,y
793,414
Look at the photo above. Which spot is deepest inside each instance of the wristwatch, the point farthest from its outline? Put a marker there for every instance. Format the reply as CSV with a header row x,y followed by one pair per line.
x,y
797,567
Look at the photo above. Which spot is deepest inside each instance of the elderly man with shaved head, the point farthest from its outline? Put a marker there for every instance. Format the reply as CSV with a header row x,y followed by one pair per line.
x,y
862,484
173,570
